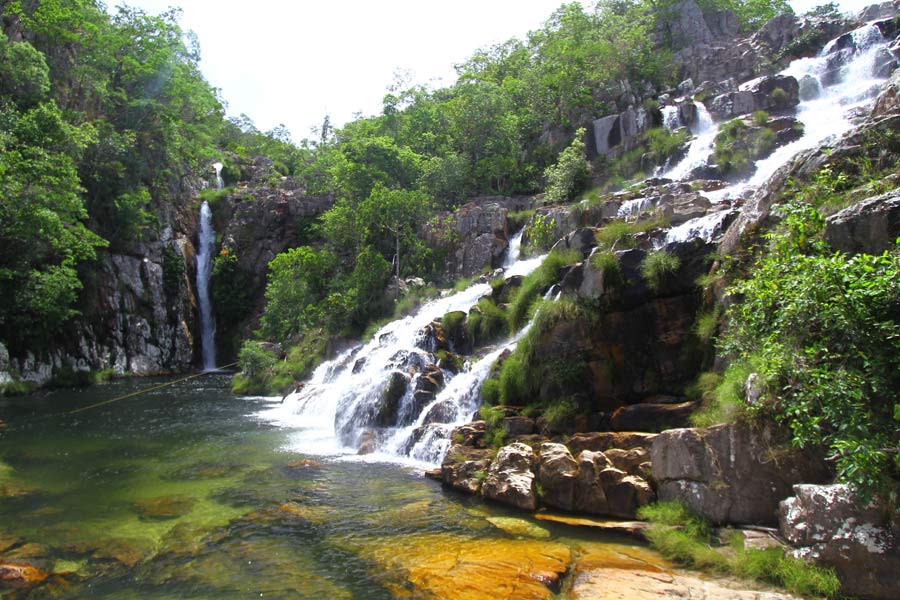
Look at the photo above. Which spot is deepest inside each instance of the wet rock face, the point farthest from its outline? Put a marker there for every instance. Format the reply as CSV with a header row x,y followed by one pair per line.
x,y
730,473
832,526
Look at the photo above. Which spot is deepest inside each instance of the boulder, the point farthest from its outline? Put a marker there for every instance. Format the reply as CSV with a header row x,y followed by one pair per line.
x,y
557,475
581,240
734,473
870,226
603,489
510,479
465,468
832,526
590,496
389,402
517,425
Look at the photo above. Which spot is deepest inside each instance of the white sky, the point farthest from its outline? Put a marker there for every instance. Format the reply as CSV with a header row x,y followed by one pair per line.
x,y
293,61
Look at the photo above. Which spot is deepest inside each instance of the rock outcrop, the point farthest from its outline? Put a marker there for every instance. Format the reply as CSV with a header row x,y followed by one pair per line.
x,y
870,226
732,473
832,526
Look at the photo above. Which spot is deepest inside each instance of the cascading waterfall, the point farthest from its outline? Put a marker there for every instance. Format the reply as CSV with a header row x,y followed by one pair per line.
x,y
835,84
342,403
843,79
207,242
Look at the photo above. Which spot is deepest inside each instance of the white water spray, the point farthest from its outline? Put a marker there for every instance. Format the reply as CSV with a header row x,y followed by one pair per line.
x,y
207,242
340,406
700,148
220,183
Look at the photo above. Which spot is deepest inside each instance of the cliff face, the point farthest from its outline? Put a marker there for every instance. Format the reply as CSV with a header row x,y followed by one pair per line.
x,y
137,307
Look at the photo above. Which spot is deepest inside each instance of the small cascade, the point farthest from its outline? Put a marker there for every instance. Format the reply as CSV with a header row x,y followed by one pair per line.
x,y
347,402
220,183
706,228
700,147
207,244
631,209
514,250
671,117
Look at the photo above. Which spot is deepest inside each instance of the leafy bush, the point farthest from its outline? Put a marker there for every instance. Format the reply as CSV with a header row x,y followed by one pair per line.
x,y
541,232
658,267
822,330
760,118
569,175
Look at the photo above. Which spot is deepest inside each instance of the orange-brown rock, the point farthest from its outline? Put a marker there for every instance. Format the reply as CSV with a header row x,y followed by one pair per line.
x,y
21,575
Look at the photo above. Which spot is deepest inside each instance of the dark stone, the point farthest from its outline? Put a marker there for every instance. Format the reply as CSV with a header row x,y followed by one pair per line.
x,y
652,417
870,226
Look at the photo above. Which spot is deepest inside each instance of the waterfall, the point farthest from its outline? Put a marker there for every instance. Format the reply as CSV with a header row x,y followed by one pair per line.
x,y
207,240
834,85
220,183
514,250
342,405
842,80
700,148
671,117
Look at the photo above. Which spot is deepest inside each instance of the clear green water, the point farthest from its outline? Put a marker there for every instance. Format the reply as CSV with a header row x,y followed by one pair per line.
x,y
182,493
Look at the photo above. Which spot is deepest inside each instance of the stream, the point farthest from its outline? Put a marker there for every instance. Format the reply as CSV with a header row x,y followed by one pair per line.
x,y
185,492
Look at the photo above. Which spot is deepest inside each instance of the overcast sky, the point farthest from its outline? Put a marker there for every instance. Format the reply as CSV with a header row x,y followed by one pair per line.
x,y
292,62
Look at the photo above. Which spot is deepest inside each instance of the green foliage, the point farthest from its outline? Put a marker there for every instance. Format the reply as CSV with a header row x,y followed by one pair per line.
x,y
569,175
229,288
658,267
664,143
622,235
536,284
486,322
495,435
541,232
298,281
681,536
24,75
560,414
760,118
262,372
822,331
173,271
737,145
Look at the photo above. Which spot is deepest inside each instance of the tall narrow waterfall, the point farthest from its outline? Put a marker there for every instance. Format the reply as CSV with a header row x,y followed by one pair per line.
x,y
207,239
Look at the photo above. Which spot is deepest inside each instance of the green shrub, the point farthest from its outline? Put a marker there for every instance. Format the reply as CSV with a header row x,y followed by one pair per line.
x,y
760,118
658,267
17,388
541,233
664,143
621,235
569,175
823,331
535,284
490,391
707,324
561,413
486,322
